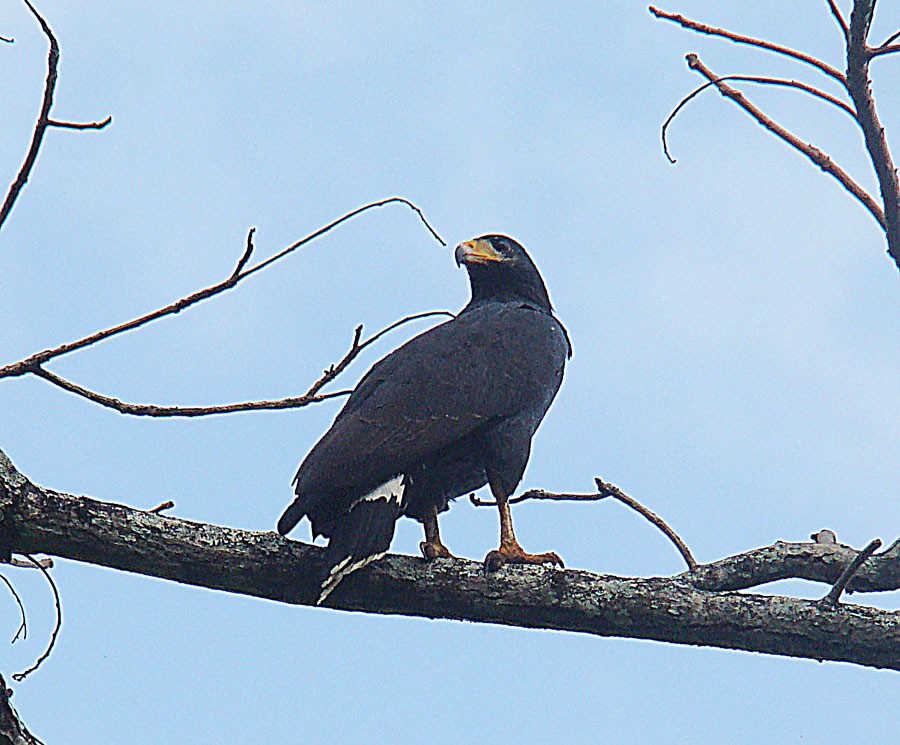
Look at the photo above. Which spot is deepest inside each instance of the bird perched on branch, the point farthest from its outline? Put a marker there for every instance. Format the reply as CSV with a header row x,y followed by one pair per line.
x,y
451,410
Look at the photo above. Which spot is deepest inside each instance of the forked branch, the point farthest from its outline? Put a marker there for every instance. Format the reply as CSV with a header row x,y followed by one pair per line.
x,y
292,402
44,121
856,82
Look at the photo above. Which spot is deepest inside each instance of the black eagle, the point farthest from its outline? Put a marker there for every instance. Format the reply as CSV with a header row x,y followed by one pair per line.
x,y
451,410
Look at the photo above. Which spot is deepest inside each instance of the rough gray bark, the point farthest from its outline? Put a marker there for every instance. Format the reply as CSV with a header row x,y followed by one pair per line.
x,y
699,609
12,731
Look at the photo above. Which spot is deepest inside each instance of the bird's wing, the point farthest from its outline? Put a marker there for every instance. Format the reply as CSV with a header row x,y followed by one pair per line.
x,y
486,364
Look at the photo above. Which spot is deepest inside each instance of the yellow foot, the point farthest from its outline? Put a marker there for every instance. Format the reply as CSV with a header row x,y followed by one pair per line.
x,y
513,553
435,551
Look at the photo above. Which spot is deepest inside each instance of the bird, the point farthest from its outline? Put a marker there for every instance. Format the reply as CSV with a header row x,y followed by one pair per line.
x,y
448,412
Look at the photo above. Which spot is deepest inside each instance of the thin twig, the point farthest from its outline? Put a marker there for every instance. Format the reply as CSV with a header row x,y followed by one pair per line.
x,y
740,39
79,125
539,494
604,490
321,231
312,396
890,40
395,324
880,51
10,40
248,252
820,159
19,677
838,16
43,117
23,626
152,410
32,364
167,505
752,79
44,121
607,489
834,595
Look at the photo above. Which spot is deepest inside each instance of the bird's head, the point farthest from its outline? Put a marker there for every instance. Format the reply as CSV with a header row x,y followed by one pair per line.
x,y
500,269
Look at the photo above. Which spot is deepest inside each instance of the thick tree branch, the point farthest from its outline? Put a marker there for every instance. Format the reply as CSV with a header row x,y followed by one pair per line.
x,y
859,86
673,609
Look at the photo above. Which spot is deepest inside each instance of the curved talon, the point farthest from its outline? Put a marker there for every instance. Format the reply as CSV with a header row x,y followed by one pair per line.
x,y
493,561
432,550
513,554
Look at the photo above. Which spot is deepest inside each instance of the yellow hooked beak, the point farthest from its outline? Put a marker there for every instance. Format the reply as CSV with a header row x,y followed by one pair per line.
x,y
476,252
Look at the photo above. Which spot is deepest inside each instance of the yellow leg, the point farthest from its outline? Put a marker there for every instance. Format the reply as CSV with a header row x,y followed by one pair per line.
x,y
431,547
510,552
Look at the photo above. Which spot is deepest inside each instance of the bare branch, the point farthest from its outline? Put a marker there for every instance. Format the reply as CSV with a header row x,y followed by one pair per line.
x,y
23,625
604,490
838,16
46,562
860,89
321,231
834,595
890,40
702,28
152,410
752,79
312,396
673,609
880,51
10,40
33,363
816,562
396,324
248,252
813,153
540,494
167,505
19,677
79,125
41,126
43,120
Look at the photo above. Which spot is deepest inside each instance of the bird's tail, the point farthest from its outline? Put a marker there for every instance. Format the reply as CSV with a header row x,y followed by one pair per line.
x,y
363,534
292,515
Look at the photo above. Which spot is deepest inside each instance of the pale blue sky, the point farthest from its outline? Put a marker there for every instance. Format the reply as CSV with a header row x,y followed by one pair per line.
x,y
734,317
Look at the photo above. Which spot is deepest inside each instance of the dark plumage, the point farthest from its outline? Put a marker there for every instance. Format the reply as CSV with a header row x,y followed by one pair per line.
x,y
449,411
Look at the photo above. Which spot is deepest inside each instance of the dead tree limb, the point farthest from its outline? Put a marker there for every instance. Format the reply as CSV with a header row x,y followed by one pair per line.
x,y
683,609
44,121
856,83
859,86
313,395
